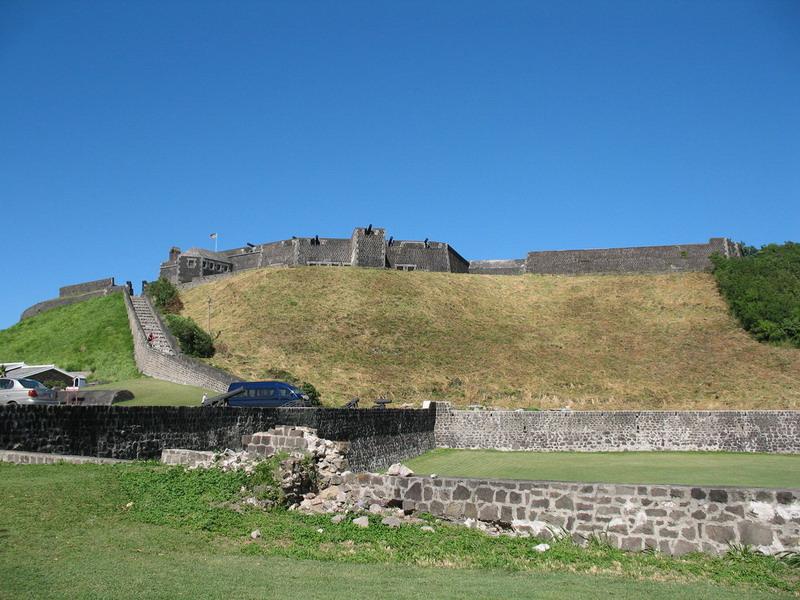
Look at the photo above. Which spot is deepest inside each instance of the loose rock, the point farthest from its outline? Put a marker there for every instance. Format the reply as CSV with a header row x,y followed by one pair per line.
x,y
362,522
392,522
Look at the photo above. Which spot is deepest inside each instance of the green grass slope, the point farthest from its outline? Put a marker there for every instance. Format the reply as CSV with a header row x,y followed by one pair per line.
x,y
88,336
145,531
664,341
686,468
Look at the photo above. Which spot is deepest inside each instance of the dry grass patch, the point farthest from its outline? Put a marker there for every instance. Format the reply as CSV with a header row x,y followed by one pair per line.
x,y
594,342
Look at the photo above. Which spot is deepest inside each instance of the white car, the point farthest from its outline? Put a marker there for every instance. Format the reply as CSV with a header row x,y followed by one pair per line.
x,y
25,391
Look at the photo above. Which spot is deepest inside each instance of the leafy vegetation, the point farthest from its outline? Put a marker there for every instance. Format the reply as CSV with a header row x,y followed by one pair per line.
x,y
193,339
661,341
93,335
164,295
308,388
763,291
688,468
69,531
149,530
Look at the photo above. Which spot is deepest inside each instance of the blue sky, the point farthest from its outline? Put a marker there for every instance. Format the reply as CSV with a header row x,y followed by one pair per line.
x,y
129,127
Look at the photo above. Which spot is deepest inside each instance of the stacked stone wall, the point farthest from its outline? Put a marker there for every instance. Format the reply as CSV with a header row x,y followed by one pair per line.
x,y
498,267
457,263
328,250
377,438
72,294
99,285
599,431
368,250
646,259
671,519
434,257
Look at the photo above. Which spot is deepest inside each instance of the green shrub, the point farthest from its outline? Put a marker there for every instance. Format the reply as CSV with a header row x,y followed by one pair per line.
x,y
193,340
164,296
763,291
307,388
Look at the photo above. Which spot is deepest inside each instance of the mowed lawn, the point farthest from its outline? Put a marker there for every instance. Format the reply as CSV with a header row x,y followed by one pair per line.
x,y
77,531
689,468
153,392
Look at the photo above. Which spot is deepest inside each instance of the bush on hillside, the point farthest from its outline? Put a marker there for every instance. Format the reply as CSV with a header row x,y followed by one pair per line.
x,y
763,291
193,340
307,388
165,296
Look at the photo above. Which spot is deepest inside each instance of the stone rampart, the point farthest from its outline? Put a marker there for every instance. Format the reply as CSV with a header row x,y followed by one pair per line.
x,y
611,431
498,267
645,259
99,285
72,294
669,518
377,438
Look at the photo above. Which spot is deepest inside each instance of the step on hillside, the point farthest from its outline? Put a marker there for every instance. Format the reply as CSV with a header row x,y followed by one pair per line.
x,y
151,325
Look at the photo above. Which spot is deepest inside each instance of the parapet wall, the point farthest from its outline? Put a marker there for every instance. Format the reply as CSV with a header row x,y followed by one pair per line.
x,y
369,247
72,294
646,259
597,431
377,438
87,287
669,518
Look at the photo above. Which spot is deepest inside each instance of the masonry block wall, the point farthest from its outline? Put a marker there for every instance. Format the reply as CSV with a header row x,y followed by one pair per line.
x,y
369,247
669,518
647,259
377,438
598,431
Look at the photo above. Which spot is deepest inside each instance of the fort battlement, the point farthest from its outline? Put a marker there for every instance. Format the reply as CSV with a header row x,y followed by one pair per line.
x,y
370,247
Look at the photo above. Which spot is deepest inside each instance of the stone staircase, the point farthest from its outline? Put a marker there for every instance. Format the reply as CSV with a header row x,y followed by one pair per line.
x,y
151,325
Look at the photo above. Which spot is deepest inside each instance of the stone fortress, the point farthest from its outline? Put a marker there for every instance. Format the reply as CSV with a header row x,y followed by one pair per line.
x,y
370,247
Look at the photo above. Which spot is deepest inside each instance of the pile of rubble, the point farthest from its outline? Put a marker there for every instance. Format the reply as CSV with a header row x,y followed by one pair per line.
x,y
313,478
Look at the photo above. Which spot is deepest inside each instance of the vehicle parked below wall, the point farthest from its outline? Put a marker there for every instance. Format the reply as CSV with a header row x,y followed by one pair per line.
x,y
25,391
259,394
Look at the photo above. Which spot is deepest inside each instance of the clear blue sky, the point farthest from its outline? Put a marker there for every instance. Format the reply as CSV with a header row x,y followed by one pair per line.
x,y
500,127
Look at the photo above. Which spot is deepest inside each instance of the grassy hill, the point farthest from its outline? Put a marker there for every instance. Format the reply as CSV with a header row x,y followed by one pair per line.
x,y
88,336
594,342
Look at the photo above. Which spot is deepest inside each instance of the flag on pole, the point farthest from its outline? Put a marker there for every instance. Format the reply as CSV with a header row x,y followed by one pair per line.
x,y
213,236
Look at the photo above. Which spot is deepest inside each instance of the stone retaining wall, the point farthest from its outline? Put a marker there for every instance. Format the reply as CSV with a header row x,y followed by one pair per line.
x,y
377,438
672,519
177,368
41,458
612,431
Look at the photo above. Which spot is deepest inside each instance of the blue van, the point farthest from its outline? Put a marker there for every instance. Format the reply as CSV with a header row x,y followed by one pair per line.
x,y
260,394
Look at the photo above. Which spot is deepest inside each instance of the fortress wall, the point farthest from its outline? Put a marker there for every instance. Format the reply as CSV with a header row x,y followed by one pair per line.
x,y
377,438
498,267
433,258
647,259
613,431
673,519
245,260
329,250
72,294
99,285
278,253
458,264
369,250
